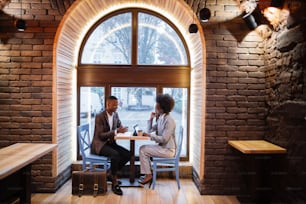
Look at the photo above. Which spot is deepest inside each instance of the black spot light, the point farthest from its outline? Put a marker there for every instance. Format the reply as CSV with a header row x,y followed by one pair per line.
x,y
20,24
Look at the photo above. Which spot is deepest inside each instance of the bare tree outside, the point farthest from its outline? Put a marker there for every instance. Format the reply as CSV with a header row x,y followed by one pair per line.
x,y
111,42
109,45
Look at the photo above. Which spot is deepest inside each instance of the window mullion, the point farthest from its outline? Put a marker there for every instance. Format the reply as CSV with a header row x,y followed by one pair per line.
x,y
134,38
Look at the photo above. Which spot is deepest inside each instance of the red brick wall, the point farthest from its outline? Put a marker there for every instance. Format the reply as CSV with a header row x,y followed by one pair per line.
x,y
235,101
26,82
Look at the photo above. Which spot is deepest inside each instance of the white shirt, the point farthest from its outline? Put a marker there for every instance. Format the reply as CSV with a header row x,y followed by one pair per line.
x,y
110,120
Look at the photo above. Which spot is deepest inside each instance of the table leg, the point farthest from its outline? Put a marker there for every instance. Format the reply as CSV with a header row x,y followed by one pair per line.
x,y
17,185
132,161
25,196
257,178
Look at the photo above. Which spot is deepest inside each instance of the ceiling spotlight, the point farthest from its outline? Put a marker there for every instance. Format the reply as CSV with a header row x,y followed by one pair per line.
x,y
193,28
204,14
20,24
250,21
253,19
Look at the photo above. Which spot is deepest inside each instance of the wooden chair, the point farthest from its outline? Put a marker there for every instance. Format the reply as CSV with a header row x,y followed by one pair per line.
x,y
171,163
96,162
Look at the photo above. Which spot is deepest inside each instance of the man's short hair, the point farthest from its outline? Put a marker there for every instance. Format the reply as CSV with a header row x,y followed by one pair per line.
x,y
110,98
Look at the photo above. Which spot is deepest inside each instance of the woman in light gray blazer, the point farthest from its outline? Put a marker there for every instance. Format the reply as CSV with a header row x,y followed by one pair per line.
x,y
163,133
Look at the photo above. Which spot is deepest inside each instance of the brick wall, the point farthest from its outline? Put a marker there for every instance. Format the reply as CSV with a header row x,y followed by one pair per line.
x,y
256,90
26,82
235,101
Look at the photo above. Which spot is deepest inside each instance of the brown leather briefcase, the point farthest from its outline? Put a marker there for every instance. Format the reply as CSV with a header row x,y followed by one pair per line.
x,y
89,183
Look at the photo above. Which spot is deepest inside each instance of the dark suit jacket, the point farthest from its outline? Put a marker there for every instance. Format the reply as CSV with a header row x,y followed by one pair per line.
x,y
103,133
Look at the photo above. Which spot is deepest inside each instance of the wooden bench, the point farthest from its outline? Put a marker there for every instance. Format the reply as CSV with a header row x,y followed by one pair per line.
x,y
15,169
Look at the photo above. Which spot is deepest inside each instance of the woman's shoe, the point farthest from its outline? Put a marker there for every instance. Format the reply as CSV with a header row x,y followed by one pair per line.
x,y
141,178
145,181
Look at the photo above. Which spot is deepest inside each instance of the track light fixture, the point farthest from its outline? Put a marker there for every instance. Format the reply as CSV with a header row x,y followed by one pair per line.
x,y
20,24
204,14
252,19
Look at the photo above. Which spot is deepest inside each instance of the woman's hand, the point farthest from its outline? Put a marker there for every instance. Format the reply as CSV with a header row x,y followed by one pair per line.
x,y
152,115
146,134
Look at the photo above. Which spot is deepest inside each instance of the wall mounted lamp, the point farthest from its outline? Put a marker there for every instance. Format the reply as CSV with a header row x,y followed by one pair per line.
x,y
20,24
204,14
252,19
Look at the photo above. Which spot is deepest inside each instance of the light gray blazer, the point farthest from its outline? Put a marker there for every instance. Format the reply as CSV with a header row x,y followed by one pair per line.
x,y
164,131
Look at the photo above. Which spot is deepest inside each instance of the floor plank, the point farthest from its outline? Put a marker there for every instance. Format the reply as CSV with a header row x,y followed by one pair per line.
x,y
165,191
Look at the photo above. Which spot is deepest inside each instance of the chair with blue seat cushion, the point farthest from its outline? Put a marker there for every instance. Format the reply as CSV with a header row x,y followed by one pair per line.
x,y
171,163
96,162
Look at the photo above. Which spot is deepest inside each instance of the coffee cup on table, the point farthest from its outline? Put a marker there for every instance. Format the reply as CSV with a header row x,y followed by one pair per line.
x,y
139,133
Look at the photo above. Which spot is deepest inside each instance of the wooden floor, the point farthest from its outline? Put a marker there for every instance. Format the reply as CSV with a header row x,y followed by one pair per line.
x,y
166,192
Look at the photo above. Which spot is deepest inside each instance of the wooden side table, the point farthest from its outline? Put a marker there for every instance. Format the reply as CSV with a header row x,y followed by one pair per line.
x,y
256,147
259,158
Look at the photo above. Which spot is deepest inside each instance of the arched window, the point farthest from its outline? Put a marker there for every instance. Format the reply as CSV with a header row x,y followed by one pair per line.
x,y
133,54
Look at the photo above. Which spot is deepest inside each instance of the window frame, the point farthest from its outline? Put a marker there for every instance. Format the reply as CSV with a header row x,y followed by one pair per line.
x,y
159,76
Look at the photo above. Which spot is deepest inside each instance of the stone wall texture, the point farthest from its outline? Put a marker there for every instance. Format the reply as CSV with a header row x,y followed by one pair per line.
x,y
256,90
286,103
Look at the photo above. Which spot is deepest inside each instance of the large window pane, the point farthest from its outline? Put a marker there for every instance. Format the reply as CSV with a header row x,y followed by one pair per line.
x,y
135,106
179,112
91,103
158,43
110,42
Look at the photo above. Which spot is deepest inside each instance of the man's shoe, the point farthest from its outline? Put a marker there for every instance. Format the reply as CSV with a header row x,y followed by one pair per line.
x,y
109,179
117,190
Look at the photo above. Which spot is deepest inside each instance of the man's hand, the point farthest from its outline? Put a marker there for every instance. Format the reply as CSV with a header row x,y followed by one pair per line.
x,y
122,129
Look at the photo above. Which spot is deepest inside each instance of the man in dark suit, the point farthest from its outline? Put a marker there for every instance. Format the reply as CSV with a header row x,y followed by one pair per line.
x,y
107,125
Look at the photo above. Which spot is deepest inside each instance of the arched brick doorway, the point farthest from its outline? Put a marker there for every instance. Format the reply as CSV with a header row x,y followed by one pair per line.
x,y
75,24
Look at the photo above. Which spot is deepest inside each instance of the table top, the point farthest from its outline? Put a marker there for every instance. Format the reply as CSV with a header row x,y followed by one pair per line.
x,y
131,137
19,155
256,147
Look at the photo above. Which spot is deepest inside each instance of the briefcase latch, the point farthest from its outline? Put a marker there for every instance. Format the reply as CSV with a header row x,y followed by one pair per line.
x,y
96,188
81,188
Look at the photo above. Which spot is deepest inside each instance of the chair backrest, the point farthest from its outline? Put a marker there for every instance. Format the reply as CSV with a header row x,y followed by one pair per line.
x,y
84,139
179,143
